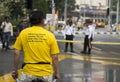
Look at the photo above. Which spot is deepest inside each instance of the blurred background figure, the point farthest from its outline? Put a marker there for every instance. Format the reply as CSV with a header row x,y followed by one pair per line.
x,y
113,28
69,31
22,25
89,35
7,31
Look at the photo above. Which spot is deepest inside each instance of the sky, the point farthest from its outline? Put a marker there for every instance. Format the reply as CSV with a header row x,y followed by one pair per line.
x,y
93,2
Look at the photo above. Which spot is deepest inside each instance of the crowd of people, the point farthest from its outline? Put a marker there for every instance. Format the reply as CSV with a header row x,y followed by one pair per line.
x,y
6,31
89,28
69,34
40,47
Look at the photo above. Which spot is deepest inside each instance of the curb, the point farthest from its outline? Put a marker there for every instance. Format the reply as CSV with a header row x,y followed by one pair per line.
x,y
107,33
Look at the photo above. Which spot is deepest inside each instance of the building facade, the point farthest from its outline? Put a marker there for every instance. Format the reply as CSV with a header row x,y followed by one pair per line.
x,y
92,9
92,2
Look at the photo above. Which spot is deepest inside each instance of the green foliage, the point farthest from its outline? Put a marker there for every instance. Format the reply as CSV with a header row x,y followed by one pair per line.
x,y
113,4
60,5
2,0
15,9
41,5
46,5
71,5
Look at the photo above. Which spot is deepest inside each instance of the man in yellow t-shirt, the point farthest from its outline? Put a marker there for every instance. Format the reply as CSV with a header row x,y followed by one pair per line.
x,y
40,52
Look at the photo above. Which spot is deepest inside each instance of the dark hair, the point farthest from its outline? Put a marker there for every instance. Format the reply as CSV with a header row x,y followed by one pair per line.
x,y
6,17
67,22
70,22
36,17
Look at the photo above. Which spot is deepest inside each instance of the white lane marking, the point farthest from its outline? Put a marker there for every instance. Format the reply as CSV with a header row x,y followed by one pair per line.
x,y
97,48
114,53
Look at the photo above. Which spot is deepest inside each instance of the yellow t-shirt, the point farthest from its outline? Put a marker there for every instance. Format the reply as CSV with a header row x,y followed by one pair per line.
x,y
38,45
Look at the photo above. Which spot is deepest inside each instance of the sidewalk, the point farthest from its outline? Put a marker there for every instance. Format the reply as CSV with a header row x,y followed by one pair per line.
x,y
97,31
11,46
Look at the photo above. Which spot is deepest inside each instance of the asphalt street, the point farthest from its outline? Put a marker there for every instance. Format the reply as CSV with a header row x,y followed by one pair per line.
x,y
101,66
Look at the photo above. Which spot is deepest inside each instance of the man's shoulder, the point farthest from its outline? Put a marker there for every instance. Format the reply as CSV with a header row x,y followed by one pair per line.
x,y
48,32
40,31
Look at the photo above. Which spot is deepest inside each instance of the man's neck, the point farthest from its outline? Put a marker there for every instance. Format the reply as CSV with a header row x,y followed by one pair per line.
x,y
40,25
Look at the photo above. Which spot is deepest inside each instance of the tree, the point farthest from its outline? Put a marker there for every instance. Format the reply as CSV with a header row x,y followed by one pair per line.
x,y
46,5
15,9
60,5
113,5
114,9
41,5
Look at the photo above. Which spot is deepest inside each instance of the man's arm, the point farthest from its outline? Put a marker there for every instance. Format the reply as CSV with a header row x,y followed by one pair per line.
x,y
16,63
16,58
90,30
55,66
11,30
2,25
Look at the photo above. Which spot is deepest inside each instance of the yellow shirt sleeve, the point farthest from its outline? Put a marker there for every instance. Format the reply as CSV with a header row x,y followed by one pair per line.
x,y
54,46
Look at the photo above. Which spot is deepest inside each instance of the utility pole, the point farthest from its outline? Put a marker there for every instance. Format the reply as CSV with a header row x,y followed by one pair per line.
x,y
117,14
109,16
53,12
65,11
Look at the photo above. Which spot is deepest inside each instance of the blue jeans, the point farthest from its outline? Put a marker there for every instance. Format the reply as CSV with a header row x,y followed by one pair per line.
x,y
6,39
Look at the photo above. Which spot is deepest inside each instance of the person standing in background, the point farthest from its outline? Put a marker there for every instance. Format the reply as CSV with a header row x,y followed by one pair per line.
x,y
89,28
69,32
22,26
7,31
1,32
